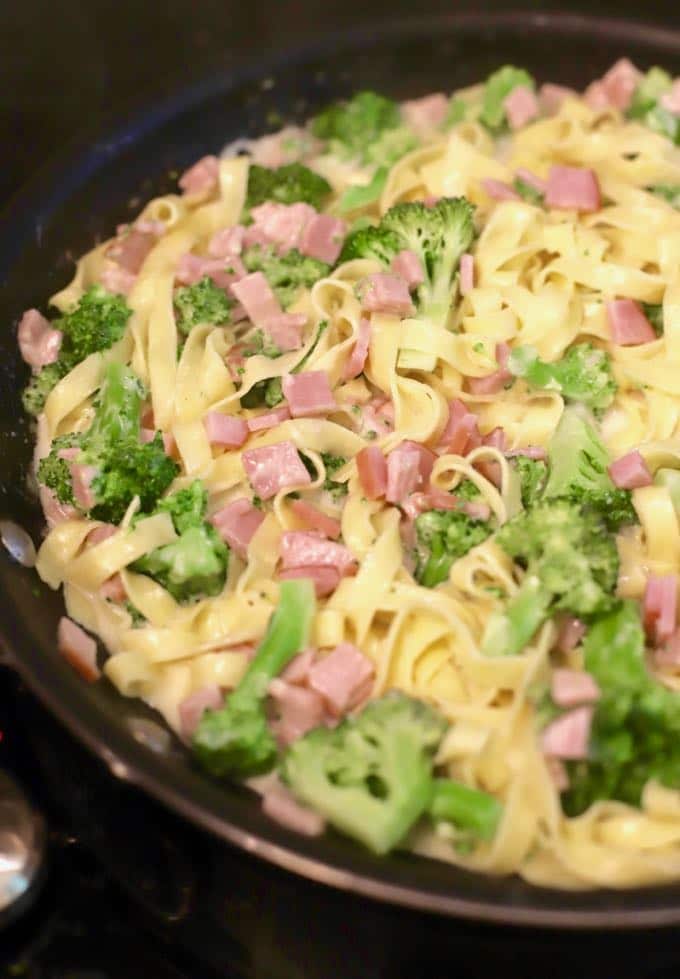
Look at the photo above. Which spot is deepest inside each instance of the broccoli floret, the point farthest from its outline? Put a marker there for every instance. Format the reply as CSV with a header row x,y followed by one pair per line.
x,y
368,128
636,726
474,812
667,192
371,776
528,192
390,147
442,537
258,343
37,390
584,374
267,392
203,302
654,313
532,476
186,507
138,619
578,471
372,241
287,274
496,89
332,463
571,565
458,111
124,466
647,108
236,739
362,195
54,471
467,490
288,184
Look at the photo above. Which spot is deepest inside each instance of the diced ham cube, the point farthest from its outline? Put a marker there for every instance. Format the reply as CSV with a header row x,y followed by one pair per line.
x,y
323,237
38,342
315,519
236,523
255,295
223,272
620,83
495,382
285,330
193,707
426,114
376,417
569,735
660,606
496,439
325,578
569,688
570,634
302,548
385,293
78,649
308,393
630,471
116,279
225,430
499,191
281,806
131,249
408,266
521,106
558,773
299,710
356,361
269,419
271,468
202,177
283,224
54,511
574,188
340,677
113,589
81,480
403,472
596,97
461,433
296,671
551,97
100,534
227,243
467,273
372,470
628,325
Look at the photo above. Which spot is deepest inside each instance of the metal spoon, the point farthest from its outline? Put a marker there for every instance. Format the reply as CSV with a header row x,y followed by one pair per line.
x,y
22,845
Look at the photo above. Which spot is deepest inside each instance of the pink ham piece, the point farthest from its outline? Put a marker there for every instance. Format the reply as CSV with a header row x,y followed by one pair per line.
x,y
499,191
323,237
255,295
236,523
461,433
551,97
101,533
495,382
193,707
671,100
570,688
223,272
202,177
616,88
280,805
530,178
558,773
403,472
299,710
385,293
38,342
78,649
356,361
314,519
296,671
660,606
308,393
574,188
285,330
628,325
282,224
113,589
595,96
225,430
116,279
570,634
496,439
54,511
227,243
521,106
377,417
81,480
324,578
668,655
630,471
270,419
303,548
408,267
568,736
427,114
271,468
130,250
341,678
467,273
372,470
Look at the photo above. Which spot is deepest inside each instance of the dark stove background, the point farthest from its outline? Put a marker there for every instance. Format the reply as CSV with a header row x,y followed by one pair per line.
x,y
152,901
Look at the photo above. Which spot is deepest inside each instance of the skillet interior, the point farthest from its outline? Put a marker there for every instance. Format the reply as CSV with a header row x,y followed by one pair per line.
x,y
78,200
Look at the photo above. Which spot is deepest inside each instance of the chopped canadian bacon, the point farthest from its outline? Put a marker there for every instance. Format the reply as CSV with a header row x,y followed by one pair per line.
x,y
596,97
150,226
427,459
499,191
81,480
299,710
467,273
116,279
616,88
408,266
193,707
426,114
408,469
285,330
271,468
314,519
269,419
660,607
386,293
671,100
305,548
551,97
38,342
236,523
78,649
490,469
570,634
227,243
372,469
574,188
628,325
521,106
668,655
570,688
495,438
223,272
202,177
54,511
461,433
324,578
308,393
255,295
322,238
496,381
130,250
101,533
113,589
283,224
630,471
281,806
225,430
568,736
296,671
254,236
341,677
356,361
377,417
530,178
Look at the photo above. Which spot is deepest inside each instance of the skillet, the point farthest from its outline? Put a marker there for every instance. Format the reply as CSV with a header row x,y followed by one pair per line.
x,y
101,181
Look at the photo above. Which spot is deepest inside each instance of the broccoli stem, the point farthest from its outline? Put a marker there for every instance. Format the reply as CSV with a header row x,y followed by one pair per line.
x,y
468,809
508,633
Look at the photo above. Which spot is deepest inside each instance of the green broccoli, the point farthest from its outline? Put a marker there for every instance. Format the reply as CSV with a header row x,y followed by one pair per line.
x,y
467,490
571,565
438,235
125,467
654,313
288,184
528,192
496,89
578,471
287,274
442,537
532,476
362,195
474,812
636,725
371,776
368,128
583,374
459,110
259,344
203,302
236,739
269,391
332,463
40,385
647,108
667,192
